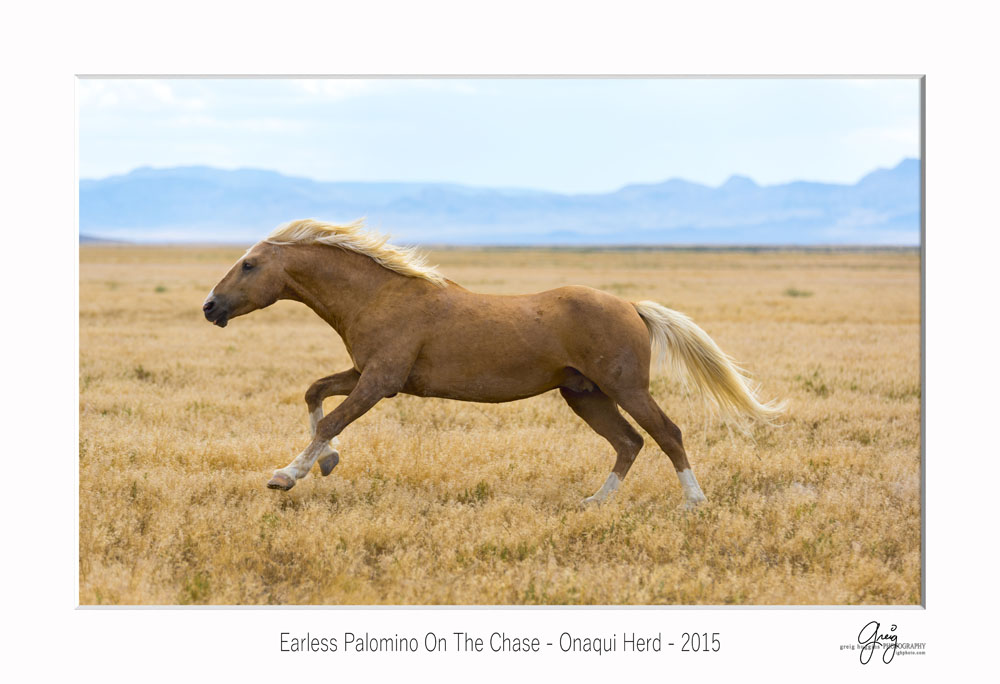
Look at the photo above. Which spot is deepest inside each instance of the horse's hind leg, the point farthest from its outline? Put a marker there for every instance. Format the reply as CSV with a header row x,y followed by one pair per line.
x,y
641,406
338,383
600,413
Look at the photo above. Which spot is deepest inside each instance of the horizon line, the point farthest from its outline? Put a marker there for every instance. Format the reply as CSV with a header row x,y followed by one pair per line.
x,y
619,188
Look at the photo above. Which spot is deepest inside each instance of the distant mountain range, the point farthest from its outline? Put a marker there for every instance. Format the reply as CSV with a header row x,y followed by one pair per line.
x,y
203,204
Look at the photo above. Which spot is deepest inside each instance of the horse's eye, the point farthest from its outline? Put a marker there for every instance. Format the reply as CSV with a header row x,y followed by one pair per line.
x,y
247,265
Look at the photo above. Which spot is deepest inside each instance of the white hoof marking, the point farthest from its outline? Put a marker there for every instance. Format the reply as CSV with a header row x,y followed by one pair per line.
x,y
609,487
692,492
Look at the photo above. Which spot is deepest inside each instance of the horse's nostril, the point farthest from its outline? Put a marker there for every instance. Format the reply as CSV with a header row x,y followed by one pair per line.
x,y
208,306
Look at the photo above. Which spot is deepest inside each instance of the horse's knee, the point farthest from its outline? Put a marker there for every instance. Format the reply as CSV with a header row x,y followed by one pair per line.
x,y
314,395
633,445
635,438
628,450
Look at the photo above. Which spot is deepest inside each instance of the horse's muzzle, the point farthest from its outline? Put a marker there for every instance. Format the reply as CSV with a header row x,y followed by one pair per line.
x,y
214,313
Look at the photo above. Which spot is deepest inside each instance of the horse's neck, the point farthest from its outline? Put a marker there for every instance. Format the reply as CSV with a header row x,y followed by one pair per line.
x,y
335,283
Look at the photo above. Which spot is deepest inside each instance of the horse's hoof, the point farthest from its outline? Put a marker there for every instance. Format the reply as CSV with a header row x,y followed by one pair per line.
x,y
589,502
692,504
328,463
281,481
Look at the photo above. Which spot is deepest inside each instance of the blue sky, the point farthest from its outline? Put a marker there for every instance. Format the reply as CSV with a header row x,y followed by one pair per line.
x,y
566,135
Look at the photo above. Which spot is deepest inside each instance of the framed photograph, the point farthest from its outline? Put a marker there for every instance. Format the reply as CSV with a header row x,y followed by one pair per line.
x,y
632,341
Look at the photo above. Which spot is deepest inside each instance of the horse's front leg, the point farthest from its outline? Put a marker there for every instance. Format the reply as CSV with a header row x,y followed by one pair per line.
x,y
338,383
370,388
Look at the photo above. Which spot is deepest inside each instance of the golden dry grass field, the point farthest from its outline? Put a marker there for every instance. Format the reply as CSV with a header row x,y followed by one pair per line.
x,y
441,502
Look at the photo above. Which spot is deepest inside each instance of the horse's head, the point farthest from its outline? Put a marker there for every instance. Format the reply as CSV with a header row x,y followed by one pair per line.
x,y
255,281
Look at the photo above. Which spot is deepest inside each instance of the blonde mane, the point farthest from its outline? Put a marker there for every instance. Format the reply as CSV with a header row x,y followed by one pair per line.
x,y
353,236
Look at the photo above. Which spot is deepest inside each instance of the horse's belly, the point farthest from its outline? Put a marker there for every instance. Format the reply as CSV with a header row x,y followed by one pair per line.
x,y
482,378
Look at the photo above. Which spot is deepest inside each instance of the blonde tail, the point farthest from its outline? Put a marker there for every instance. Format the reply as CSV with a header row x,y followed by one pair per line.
x,y
691,355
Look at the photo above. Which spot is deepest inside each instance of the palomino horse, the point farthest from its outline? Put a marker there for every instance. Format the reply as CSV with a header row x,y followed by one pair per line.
x,y
408,329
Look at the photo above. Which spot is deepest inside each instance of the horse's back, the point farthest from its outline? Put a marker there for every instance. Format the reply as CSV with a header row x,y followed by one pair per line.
x,y
559,314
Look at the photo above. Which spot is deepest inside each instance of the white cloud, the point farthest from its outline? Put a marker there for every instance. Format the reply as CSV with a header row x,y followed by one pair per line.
x,y
139,94
96,94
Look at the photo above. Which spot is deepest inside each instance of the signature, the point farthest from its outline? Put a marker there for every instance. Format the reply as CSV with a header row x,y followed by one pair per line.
x,y
869,638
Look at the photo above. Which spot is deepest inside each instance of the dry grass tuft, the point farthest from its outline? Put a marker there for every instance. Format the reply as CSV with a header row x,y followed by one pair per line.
x,y
445,502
